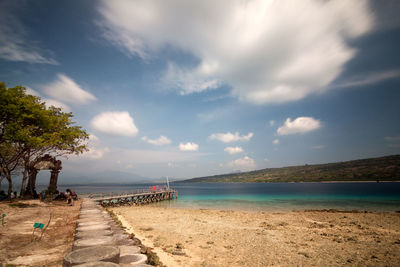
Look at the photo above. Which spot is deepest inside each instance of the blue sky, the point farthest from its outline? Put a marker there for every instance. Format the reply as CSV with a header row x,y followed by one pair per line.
x,y
187,89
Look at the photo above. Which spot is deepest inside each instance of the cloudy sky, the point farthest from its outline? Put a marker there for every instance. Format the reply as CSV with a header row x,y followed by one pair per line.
x,y
193,88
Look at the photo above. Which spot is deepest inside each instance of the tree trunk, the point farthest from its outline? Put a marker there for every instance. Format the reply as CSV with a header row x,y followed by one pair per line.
x,y
30,189
26,173
1,180
24,178
8,176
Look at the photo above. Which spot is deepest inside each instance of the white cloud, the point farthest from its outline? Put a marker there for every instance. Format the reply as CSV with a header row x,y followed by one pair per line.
x,y
30,91
233,150
57,104
96,149
66,89
186,81
48,102
299,125
189,146
275,142
152,157
266,51
16,44
271,123
158,142
115,123
230,137
243,164
129,166
369,79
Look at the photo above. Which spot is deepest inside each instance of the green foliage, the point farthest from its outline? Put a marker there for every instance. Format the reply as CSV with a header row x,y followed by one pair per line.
x,y
25,121
374,169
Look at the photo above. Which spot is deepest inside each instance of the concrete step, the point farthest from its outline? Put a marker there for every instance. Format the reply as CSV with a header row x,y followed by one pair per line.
x,y
92,242
132,259
98,264
85,255
128,250
90,223
93,228
91,234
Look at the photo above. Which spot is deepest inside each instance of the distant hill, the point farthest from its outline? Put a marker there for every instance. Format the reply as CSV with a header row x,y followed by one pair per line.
x,y
372,169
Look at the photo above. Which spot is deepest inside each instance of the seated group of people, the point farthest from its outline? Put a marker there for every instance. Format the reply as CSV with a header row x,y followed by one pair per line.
x,y
69,195
3,195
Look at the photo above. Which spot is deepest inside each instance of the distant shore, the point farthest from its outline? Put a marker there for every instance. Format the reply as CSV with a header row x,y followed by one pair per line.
x,y
238,238
285,182
355,182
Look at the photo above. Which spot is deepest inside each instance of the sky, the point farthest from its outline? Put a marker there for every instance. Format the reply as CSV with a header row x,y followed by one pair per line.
x,y
194,88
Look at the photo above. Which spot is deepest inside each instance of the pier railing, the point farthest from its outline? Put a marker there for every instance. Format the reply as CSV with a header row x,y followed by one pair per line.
x,y
134,197
130,192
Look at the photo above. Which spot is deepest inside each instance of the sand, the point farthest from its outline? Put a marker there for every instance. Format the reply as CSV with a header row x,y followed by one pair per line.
x,y
238,238
16,245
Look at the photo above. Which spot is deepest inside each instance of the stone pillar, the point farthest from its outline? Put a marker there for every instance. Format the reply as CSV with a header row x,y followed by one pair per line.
x,y
53,180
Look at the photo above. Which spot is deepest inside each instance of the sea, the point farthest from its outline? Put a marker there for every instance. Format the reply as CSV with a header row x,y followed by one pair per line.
x,y
362,196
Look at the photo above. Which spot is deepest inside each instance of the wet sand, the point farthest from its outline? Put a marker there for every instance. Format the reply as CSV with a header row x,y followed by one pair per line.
x,y
238,238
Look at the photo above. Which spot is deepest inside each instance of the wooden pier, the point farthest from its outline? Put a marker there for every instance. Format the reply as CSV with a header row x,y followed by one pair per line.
x,y
139,197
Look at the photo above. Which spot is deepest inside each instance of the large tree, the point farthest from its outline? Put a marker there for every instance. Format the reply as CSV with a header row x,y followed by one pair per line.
x,y
28,130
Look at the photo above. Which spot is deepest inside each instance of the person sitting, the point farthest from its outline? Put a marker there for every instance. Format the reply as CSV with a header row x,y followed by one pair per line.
x,y
71,196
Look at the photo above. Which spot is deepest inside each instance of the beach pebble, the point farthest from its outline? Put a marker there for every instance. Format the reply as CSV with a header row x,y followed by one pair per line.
x,y
85,255
178,252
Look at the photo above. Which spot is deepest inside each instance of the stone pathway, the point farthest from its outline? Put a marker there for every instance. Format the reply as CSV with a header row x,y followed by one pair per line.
x,y
99,241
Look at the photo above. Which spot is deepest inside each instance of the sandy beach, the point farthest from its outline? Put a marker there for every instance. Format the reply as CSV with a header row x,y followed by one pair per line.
x,y
238,238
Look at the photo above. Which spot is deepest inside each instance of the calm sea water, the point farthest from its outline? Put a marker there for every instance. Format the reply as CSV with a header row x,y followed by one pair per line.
x,y
271,196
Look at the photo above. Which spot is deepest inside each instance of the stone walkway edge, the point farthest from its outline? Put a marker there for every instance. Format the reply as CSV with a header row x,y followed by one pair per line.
x,y
99,241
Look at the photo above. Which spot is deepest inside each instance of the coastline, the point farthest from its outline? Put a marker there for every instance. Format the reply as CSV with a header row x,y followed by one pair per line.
x,y
299,182
259,238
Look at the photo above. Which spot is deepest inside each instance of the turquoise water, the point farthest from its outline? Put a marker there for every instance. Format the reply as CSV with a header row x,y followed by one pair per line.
x,y
273,196
289,202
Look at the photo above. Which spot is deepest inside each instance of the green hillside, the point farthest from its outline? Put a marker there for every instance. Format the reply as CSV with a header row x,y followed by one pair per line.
x,y
373,169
